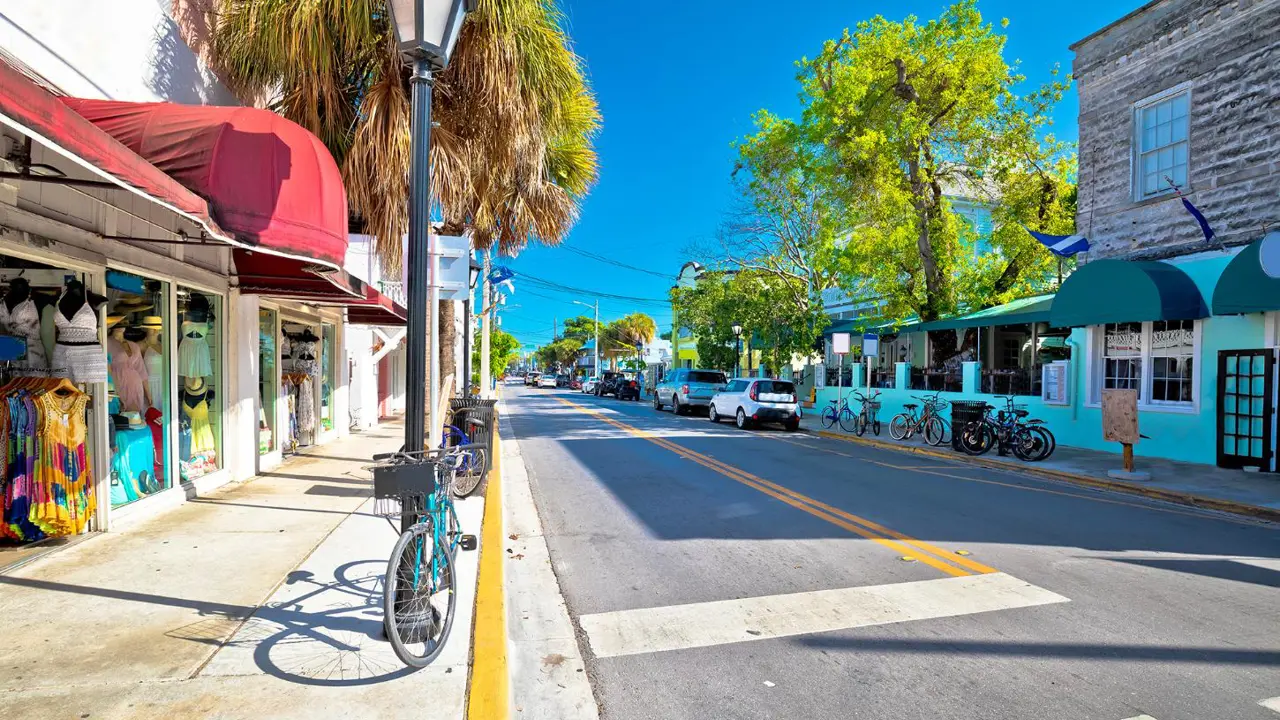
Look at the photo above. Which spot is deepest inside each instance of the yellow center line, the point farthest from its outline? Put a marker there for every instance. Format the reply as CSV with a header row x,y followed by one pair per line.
x,y
860,526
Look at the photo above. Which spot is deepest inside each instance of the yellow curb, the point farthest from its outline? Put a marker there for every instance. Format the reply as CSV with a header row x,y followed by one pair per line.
x,y
489,688
1199,501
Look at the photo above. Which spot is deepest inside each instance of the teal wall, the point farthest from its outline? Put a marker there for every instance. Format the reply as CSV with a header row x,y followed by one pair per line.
x,y
1178,434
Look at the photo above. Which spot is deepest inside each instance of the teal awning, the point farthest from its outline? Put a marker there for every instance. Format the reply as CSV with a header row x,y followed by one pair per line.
x,y
1019,312
1110,291
1243,287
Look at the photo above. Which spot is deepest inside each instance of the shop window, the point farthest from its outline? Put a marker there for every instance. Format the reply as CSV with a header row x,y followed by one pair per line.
x,y
300,350
199,370
268,374
1161,143
328,370
1155,358
139,384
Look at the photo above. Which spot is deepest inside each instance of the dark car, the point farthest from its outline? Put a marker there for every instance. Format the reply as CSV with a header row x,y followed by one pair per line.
x,y
562,381
621,385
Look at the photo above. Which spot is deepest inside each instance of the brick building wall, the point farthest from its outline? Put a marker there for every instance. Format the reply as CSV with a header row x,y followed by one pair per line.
x,y
1228,53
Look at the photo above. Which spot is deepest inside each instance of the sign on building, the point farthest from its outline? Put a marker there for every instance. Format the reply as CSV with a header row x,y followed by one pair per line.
x,y
840,343
1055,383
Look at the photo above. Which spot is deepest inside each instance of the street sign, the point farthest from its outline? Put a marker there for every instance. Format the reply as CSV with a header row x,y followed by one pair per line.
x,y
1269,254
870,345
840,343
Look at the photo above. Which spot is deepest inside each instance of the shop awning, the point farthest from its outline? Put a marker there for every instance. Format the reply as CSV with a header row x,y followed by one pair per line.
x,y
37,113
269,182
378,309
1019,312
1243,287
365,305
1109,291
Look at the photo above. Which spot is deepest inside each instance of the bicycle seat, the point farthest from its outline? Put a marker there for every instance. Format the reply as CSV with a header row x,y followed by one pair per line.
x,y
1021,413
910,406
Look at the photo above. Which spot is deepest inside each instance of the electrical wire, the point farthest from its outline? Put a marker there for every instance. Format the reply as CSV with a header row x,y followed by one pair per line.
x,y
554,286
616,263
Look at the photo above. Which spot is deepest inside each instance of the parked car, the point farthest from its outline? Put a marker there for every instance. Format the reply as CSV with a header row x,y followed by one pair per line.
x,y
548,381
531,380
683,389
562,381
575,384
621,385
589,385
750,401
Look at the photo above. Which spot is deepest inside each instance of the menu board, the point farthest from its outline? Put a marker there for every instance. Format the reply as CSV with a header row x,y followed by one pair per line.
x,y
1055,381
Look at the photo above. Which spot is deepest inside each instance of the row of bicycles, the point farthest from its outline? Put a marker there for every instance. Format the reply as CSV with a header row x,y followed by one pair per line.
x,y
1008,430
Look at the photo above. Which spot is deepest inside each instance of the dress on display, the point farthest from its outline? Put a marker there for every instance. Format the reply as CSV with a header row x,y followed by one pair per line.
x,y
196,407
78,351
62,500
24,322
304,357
132,465
128,374
306,406
155,377
194,359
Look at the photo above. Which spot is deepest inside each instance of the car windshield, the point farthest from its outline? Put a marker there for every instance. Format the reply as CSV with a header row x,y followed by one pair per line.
x,y
777,387
709,377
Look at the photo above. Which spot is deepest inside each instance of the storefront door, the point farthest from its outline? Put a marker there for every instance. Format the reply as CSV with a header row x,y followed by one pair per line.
x,y
1245,391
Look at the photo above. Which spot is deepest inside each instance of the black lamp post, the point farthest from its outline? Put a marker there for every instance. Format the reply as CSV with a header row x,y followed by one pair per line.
x,y
737,349
426,31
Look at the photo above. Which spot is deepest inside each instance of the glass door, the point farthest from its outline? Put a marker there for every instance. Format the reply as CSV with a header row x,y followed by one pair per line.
x,y
268,381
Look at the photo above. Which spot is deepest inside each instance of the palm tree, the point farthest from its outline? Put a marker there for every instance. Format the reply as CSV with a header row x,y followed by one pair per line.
x,y
623,335
512,156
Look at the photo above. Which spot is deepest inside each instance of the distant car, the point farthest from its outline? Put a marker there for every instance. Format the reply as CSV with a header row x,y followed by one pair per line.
x,y
589,385
683,389
750,401
610,383
547,381
575,384
562,381
531,380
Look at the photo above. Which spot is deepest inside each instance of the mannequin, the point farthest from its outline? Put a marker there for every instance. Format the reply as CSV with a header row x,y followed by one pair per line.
x,y
304,352
153,355
194,358
196,398
20,316
78,351
128,371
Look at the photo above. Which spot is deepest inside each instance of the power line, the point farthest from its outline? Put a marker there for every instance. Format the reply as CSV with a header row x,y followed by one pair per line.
x,y
550,285
611,261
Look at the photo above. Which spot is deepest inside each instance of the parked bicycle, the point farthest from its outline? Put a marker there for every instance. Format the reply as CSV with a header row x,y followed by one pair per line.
x,y
472,460
419,594
930,423
837,411
1009,430
868,415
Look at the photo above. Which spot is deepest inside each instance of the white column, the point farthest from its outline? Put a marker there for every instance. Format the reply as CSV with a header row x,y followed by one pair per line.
x,y
486,317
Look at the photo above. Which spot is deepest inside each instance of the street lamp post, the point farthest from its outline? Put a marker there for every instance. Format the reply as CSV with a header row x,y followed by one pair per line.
x,y
595,368
737,349
426,31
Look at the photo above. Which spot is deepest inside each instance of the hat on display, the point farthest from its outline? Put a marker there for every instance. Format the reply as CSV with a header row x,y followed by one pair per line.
x,y
113,320
134,418
153,321
131,305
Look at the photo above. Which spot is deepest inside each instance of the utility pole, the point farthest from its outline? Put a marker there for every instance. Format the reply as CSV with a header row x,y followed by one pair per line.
x,y
486,317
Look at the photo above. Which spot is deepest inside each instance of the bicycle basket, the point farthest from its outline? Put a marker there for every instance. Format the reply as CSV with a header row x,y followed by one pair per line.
x,y
873,406
403,488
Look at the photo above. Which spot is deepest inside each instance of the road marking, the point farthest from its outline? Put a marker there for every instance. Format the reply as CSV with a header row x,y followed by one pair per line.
x,y
488,695
1272,704
930,555
679,627
1140,717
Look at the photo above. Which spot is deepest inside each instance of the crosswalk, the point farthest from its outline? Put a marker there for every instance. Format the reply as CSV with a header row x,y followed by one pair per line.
x,y
1272,704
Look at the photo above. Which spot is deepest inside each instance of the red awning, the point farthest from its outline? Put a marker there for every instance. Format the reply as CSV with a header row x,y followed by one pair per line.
x,y
37,113
270,182
378,309
283,278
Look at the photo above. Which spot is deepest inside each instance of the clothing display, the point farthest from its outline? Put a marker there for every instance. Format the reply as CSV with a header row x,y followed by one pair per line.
x,y
24,322
194,359
132,465
304,357
46,483
306,406
201,455
129,375
155,422
156,381
78,351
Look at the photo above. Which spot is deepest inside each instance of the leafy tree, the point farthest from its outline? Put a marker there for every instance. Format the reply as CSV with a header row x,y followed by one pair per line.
x,y
504,349
562,352
582,328
900,116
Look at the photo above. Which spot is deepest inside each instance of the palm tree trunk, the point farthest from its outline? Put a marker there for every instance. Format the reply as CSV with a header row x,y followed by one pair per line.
x,y
448,346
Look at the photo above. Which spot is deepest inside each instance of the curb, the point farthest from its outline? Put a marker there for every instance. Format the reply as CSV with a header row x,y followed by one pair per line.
x,y
1180,498
488,687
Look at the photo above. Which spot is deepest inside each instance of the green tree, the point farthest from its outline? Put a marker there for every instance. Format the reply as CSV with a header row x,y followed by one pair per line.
x,y
562,352
619,338
897,117
504,349
582,328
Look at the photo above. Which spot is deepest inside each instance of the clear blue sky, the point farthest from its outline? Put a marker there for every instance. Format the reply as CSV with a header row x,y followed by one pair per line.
x,y
676,91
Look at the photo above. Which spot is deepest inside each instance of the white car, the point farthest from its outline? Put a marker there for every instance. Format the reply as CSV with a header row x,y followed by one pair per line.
x,y
589,385
749,401
547,381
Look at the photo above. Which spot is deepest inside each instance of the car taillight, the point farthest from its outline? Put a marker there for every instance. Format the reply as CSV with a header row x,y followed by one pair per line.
x,y
684,389
633,383
755,393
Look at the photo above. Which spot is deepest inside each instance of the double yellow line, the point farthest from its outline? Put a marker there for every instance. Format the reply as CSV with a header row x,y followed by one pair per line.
x,y
935,557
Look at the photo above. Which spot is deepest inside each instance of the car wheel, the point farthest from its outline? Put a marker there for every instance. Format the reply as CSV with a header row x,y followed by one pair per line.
x,y
712,415
742,421
792,425
676,407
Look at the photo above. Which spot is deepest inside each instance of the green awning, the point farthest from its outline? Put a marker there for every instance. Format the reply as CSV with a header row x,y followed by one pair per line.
x,y
1243,287
1110,291
1019,312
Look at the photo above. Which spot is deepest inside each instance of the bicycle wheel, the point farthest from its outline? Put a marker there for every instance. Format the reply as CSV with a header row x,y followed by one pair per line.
x,y
829,417
936,431
899,426
1025,444
875,426
848,421
860,424
470,473
976,438
1047,442
418,596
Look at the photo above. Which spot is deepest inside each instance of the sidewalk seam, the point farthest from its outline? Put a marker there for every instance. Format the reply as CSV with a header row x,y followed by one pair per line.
x,y
1181,498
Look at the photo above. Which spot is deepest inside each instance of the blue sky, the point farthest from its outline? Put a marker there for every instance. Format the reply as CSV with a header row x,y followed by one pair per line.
x,y
676,91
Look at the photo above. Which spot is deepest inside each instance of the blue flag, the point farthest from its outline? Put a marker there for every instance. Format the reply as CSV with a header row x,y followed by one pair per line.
x,y
1199,216
1061,245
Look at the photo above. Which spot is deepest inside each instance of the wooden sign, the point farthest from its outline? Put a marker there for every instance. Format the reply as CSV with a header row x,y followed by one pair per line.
x,y
1120,416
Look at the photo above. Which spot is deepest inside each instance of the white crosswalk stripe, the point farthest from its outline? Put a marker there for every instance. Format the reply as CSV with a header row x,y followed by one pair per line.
x,y
1272,704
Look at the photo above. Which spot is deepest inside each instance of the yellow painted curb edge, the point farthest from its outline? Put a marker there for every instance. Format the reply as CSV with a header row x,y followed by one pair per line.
x,y
488,691
1190,499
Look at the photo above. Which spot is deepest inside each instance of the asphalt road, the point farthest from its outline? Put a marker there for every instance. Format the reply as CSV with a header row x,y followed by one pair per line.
x,y
720,574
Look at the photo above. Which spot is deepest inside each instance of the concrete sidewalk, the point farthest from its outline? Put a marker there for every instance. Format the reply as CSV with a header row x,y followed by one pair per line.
x,y
262,600
1235,491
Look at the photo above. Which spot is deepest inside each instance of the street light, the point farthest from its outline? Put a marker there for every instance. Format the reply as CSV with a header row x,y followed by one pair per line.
x,y
737,348
595,368
426,31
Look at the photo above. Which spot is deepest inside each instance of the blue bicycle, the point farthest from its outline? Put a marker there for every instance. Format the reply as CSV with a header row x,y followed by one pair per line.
x,y
419,594
472,458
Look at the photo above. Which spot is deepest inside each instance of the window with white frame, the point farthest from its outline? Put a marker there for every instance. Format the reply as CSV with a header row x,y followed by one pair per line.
x,y
1158,359
1161,143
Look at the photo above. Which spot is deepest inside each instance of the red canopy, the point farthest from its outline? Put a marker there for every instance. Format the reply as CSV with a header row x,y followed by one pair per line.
x,y
365,305
270,182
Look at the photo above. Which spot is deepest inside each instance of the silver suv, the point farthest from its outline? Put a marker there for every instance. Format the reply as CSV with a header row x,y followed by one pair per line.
x,y
683,389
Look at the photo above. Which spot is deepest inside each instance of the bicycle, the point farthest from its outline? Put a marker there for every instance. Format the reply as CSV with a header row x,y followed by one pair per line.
x,y
473,460
867,415
1008,430
419,594
838,411
930,424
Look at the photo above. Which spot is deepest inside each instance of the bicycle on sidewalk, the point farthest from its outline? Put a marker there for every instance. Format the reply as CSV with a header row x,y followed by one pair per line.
x,y
419,593
837,411
929,423
868,414
1008,430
